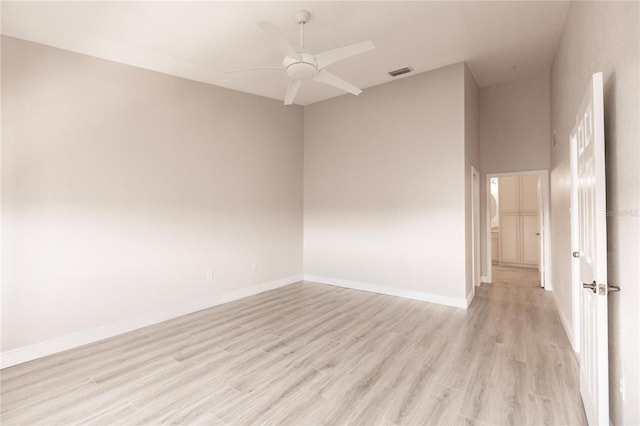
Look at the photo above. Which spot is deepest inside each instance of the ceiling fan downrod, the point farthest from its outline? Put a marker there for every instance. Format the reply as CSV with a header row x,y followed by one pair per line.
x,y
301,17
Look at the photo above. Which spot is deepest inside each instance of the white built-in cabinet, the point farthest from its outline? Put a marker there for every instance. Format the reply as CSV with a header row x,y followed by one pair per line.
x,y
495,246
519,222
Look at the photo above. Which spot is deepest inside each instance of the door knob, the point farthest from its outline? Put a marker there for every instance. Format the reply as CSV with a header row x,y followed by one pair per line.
x,y
576,254
593,286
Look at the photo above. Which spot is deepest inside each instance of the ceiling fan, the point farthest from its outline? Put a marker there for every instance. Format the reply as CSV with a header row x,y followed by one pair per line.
x,y
300,64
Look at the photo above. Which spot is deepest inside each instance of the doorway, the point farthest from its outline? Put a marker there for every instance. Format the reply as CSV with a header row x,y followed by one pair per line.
x,y
517,212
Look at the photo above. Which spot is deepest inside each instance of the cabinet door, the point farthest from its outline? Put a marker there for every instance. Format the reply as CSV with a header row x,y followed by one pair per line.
x,y
508,198
529,194
509,238
530,241
495,246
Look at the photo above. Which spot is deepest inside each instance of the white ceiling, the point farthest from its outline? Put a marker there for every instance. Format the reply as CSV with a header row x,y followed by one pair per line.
x,y
202,40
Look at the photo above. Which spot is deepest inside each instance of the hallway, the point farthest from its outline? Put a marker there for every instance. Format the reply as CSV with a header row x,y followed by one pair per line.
x,y
534,364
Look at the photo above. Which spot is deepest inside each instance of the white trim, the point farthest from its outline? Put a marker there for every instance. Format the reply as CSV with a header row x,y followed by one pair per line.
x,y
476,251
563,319
470,297
546,236
485,279
70,341
487,214
390,291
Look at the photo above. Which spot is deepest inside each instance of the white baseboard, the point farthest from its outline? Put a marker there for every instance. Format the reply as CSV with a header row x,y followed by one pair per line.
x,y
70,341
566,324
389,291
485,279
470,297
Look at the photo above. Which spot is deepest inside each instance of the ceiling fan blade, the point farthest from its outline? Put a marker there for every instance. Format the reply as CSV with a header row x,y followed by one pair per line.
x,y
326,77
331,56
292,91
254,69
280,41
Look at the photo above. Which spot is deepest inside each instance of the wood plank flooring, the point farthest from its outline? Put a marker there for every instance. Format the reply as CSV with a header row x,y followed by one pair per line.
x,y
316,354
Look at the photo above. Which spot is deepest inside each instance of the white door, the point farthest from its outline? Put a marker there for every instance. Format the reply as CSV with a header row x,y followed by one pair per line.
x,y
509,238
509,194
530,235
528,194
530,220
589,177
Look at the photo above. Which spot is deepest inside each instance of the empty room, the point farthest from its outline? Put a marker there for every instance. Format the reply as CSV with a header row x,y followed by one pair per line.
x,y
320,213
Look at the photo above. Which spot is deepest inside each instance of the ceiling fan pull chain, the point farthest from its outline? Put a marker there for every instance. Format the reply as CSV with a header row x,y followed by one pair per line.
x,y
301,35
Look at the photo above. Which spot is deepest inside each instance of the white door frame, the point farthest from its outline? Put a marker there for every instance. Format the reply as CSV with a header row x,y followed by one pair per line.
x,y
476,252
546,238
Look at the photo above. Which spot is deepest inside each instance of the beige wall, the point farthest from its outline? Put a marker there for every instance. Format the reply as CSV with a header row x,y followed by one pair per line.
x,y
514,133
603,37
384,190
122,187
472,158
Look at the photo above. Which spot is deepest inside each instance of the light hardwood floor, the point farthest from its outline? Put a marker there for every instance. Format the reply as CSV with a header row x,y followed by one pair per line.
x,y
315,354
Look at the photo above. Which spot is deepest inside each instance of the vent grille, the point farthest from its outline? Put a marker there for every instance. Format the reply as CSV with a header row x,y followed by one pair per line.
x,y
400,71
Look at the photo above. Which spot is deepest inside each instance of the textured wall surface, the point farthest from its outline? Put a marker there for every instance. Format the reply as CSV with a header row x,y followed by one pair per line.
x,y
122,188
603,37
384,190
514,133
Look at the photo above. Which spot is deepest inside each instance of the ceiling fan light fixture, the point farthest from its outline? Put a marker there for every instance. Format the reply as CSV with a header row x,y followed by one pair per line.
x,y
302,71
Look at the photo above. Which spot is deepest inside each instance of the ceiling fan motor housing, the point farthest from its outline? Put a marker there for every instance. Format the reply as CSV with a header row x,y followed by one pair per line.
x,y
303,69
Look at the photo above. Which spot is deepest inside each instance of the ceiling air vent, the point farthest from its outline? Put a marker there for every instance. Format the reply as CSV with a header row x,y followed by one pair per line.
x,y
400,71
